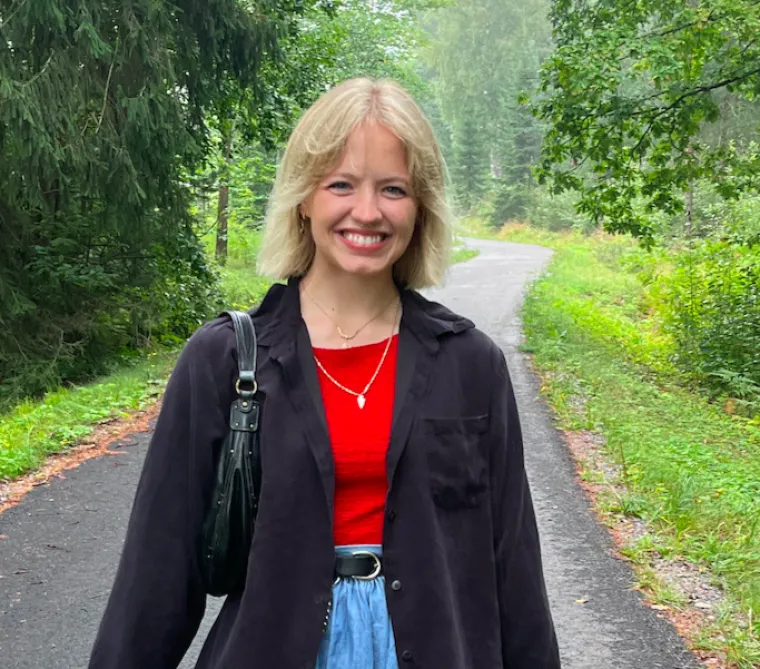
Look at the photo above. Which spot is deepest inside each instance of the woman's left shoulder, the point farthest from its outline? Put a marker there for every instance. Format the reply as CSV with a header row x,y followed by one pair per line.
x,y
475,342
477,356
461,339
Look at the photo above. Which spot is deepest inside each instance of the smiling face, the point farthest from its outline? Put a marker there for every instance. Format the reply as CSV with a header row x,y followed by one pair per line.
x,y
363,212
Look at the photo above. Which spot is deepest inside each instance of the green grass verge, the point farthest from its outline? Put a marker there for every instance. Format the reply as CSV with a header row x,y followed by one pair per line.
x,y
691,471
36,428
461,253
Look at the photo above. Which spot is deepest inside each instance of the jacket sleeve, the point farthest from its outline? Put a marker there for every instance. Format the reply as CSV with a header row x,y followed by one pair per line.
x,y
157,601
528,636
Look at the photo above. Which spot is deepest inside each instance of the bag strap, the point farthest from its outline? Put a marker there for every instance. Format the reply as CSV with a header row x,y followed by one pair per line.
x,y
245,335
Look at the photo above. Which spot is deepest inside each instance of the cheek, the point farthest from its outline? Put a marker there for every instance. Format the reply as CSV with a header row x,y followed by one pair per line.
x,y
406,229
404,216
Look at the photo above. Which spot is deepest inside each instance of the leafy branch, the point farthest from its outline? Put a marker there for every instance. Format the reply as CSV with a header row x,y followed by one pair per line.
x,y
594,101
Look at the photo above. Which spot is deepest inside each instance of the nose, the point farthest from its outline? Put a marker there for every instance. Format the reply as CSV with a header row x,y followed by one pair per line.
x,y
366,209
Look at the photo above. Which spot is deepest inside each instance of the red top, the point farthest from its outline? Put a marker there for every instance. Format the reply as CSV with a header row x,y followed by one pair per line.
x,y
359,437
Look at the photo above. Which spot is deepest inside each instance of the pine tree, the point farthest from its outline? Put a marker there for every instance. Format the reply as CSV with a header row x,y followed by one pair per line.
x,y
103,108
470,168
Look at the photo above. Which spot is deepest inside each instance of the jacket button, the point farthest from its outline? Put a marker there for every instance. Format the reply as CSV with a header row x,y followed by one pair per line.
x,y
391,515
396,585
407,656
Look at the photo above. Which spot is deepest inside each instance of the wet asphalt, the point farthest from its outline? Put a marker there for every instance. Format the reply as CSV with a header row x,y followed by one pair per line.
x,y
63,541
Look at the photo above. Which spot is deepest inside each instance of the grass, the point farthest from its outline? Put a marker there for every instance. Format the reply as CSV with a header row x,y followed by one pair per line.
x,y
36,428
241,286
688,469
461,253
475,227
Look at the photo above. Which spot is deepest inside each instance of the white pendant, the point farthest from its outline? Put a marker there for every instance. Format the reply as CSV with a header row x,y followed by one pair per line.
x,y
361,400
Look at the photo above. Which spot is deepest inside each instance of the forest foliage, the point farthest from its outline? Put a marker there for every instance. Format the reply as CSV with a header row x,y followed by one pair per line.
x,y
140,142
652,123
103,106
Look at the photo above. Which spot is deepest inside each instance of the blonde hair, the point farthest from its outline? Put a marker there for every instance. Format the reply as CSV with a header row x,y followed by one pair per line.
x,y
315,147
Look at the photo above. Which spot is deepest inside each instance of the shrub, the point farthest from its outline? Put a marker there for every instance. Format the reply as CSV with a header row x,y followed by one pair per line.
x,y
557,212
711,307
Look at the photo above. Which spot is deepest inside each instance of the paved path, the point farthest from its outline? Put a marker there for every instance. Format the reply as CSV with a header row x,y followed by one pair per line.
x,y
63,543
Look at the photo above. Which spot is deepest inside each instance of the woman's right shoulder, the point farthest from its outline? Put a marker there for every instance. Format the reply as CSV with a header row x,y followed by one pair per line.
x,y
214,344
208,359
213,338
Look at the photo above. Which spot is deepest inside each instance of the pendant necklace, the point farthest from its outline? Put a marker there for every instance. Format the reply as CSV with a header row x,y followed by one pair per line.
x,y
345,337
361,398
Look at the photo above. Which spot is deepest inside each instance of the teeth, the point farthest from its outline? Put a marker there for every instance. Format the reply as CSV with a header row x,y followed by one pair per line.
x,y
365,240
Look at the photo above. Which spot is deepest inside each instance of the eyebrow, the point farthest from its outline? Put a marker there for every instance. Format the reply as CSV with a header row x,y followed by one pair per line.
x,y
386,180
402,180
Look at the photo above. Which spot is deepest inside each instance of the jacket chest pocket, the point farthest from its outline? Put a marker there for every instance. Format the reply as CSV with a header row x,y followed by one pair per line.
x,y
457,461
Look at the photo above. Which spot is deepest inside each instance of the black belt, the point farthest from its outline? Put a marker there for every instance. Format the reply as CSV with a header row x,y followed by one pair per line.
x,y
361,565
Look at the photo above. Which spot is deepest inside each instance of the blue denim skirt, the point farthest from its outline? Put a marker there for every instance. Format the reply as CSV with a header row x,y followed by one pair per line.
x,y
359,633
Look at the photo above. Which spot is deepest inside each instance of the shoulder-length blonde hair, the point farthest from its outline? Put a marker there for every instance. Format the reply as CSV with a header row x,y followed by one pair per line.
x,y
315,147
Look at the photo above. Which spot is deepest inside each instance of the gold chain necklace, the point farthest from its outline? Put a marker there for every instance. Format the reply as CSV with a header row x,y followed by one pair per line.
x,y
347,338
361,398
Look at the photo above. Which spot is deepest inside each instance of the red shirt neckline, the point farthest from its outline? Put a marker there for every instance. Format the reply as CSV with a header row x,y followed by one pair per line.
x,y
330,349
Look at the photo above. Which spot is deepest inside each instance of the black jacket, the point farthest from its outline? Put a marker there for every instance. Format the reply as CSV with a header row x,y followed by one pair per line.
x,y
460,533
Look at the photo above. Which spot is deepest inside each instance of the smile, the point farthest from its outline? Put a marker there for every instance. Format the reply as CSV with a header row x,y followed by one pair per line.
x,y
364,240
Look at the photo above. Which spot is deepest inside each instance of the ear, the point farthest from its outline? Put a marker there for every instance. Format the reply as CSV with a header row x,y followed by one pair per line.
x,y
304,209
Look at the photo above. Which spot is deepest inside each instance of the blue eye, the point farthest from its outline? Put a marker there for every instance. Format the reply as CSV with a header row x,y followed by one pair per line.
x,y
396,190
339,185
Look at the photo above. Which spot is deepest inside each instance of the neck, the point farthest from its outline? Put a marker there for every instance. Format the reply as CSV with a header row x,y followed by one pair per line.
x,y
350,295
349,301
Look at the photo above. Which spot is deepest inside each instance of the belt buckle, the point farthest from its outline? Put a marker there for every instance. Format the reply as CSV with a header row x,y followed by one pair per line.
x,y
375,572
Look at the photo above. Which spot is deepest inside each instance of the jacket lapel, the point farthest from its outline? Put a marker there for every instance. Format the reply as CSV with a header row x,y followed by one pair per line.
x,y
286,333
406,359
309,369
416,353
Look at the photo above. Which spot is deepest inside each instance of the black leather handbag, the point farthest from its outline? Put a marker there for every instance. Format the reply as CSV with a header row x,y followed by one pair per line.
x,y
229,522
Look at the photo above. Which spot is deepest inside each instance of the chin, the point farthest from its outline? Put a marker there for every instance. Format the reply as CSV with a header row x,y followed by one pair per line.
x,y
363,266
366,269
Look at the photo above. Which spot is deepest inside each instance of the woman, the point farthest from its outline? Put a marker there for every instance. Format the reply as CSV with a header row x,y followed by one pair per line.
x,y
393,485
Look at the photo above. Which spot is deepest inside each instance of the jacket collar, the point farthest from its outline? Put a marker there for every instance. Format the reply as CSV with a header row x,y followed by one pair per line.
x,y
278,318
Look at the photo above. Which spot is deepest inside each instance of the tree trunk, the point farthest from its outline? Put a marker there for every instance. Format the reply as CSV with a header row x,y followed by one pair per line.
x,y
725,108
223,206
689,210
689,200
